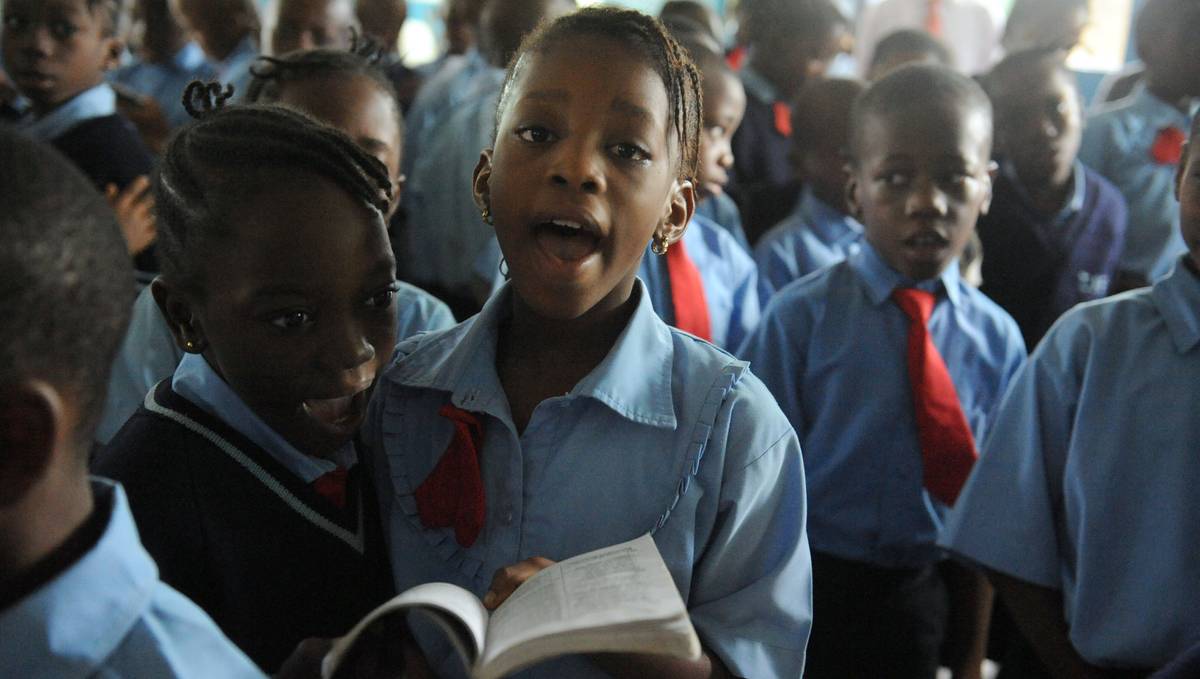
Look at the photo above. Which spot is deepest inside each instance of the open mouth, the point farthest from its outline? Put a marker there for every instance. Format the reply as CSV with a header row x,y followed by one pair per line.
x,y
341,414
567,240
927,240
32,80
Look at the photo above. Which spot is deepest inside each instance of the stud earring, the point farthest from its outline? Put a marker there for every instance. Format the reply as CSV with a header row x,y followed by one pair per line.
x,y
659,244
190,345
485,213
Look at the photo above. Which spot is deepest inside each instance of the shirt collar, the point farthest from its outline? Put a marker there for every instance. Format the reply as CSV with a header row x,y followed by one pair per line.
x,y
97,102
196,381
758,86
881,279
1159,113
71,625
830,224
633,380
1074,201
1178,299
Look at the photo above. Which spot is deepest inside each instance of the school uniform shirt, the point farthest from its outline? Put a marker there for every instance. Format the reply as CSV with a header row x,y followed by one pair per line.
x,y
166,81
667,435
722,211
1118,143
108,615
444,232
1087,482
832,348
225,507
88,130
969,31
761,181
148,354
438,98
1038,266
814,236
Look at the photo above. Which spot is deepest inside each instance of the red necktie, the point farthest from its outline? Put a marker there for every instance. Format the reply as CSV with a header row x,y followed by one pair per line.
x,y
933,18
332,487
783,118
947,447
687,293
452,494
1168,146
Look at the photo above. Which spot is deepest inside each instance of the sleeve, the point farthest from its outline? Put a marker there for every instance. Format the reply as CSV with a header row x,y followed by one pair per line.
x,y
776,351
751,594
1007,518
747,307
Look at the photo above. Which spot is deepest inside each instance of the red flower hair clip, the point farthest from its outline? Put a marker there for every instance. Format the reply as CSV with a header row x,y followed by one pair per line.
x,y
1168,146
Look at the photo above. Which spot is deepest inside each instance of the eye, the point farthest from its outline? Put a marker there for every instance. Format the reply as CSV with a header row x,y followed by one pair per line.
x,y
62,30
895,180
382,299
14,23
534,134
291,320
630,152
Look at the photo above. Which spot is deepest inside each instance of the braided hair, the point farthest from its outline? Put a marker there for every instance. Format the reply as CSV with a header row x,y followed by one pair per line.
x,y
365,58
646,36
206,168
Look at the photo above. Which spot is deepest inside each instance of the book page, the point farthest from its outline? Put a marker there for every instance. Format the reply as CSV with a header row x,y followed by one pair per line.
x,y
616,585
441,596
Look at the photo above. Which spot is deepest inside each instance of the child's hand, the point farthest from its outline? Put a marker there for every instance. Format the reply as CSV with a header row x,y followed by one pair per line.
x,y
135,213
507,580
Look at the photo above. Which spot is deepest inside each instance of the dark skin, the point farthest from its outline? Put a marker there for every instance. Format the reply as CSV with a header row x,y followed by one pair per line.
x,y
787,62
584,137
1173,61
163,37
821,135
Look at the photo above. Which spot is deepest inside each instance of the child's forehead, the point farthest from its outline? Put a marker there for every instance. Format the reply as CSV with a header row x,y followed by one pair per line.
x,y
78,9
944,125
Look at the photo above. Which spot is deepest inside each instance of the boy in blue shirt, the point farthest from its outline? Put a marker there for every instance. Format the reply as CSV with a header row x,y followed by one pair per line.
x,y
819,232
1082,507
888,365
1135,142
1054,234
79,596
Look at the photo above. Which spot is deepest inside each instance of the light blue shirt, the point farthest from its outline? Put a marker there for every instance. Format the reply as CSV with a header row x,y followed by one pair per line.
x,y
97,102
108,615
165,82
438,98
832,348
1087,483
668,434
196,381
148,354
814,236
444,234
722,211
1117,143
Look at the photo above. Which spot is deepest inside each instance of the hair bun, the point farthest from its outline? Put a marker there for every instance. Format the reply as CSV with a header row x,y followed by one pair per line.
x,y
202,99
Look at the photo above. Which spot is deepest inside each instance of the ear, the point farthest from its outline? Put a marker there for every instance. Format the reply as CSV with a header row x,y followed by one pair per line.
x,y
32,417
112,52
681,205
989,178
179,311
852,187
481,189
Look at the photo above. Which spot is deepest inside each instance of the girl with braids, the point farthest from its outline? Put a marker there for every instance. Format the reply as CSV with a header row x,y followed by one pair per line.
x,y
279,283
566,416
343,89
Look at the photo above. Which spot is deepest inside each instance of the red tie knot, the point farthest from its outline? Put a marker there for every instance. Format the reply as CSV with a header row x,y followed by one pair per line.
x,y
916,304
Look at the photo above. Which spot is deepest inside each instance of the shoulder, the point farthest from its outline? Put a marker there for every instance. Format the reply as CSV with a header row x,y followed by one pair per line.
x,y
722,245
156,447
108,149
781,236
1105,321
419,311
990,317
421,357
820,288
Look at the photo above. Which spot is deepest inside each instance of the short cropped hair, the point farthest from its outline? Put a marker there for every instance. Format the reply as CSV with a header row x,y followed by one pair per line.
x,y
771,21
910,41
66,280
1018,68
915,85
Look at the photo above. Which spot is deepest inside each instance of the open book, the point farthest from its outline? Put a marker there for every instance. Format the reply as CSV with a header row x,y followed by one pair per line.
x,y
618,598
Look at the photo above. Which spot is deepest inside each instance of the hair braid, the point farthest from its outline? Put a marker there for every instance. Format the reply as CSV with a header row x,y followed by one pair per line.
x,y
206,166
650,38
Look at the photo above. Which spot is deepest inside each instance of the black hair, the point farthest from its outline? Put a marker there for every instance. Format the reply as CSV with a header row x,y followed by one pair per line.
x,y
647,37
66,282
807,128
921,86
694,37
207,166
775,21
1018,68
909,41
271,75
692,11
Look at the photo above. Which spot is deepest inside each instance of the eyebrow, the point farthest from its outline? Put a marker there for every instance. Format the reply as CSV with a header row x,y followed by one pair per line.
x,y
372,144
622,106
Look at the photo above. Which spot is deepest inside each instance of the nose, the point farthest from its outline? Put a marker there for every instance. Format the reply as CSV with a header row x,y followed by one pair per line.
x,y
926,199
725,155
349,352
578,165
35,42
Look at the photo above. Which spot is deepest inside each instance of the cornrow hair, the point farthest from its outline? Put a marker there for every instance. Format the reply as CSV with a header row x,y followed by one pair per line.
x,y
647,36
205,167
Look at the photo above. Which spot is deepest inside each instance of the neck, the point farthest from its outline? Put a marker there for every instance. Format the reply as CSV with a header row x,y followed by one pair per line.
x,y
1051,194
39,535
1168,93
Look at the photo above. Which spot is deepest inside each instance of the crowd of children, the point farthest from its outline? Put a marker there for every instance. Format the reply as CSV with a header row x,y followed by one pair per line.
x,y
877,363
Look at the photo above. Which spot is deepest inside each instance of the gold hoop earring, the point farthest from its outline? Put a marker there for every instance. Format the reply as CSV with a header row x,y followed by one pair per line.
x,y
485,213
659,244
